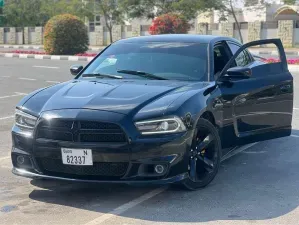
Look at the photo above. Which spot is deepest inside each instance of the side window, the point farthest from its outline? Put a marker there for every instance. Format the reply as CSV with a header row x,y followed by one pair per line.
x,y
243,59
221,57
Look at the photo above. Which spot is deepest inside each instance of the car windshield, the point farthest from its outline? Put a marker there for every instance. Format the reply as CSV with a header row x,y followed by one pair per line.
x,y
164,61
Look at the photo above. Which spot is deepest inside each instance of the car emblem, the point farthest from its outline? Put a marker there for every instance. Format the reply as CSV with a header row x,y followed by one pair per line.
x,y
75,131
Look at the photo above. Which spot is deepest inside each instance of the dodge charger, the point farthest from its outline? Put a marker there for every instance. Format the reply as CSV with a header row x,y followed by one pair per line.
x,y
153,110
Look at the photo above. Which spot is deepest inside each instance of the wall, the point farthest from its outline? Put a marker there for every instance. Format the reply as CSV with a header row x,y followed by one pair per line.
x,y
269,33
296,37
99,36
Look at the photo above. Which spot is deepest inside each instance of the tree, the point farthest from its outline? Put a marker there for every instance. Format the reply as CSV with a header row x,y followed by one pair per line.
x,y
110,10
25,13
22,13
50,8
228,7
152,8
289,2
169,24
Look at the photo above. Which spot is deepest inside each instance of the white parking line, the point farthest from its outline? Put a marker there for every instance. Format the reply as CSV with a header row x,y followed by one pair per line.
x,y
7,117
46,67
10,96
296,108
4,158
25,78
52,81
125,207
5,76
21,93
293,135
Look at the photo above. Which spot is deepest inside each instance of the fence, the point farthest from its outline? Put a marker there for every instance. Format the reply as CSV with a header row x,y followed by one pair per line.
x,y
286,30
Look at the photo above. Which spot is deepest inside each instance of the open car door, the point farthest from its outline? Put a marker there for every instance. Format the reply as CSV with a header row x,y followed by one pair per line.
x,y
260,95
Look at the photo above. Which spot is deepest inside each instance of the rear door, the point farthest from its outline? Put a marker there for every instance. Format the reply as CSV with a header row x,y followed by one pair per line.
x,y
262,102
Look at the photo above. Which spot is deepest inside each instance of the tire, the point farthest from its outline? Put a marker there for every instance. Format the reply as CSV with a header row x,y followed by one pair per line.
x,y
213,149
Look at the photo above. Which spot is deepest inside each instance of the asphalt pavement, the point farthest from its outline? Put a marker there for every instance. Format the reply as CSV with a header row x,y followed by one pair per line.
x,y
259,185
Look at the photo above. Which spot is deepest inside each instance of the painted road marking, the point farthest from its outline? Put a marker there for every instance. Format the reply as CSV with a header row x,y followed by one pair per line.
x,y
21,93
6,76
10,96
4,158
38,56
7,117
52,81
296,108
25,78
73,58
55,57
293,135
125,207
46,67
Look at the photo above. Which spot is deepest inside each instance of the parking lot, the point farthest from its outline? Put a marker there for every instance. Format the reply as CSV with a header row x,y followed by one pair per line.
x,y
259,185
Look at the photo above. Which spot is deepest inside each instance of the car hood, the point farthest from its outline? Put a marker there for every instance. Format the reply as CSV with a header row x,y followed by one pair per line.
x,y
126,96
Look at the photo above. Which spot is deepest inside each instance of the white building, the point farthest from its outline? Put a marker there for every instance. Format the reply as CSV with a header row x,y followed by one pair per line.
x,y
262,12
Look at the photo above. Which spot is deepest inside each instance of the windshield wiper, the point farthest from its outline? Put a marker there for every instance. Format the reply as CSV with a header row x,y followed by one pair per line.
x,y
141,74
102,75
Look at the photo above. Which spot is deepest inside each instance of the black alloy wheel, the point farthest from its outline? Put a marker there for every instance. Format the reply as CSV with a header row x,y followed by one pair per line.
x,y
204,156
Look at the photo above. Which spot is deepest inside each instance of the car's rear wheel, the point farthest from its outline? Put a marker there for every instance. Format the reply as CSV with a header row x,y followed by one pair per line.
x,y
204,156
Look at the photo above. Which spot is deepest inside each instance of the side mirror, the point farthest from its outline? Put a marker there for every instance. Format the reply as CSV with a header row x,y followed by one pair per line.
x,y
239,72
75,70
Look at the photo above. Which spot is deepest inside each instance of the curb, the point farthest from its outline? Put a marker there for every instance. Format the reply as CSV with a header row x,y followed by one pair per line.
x,y
292,68
42,47
274,53
51,57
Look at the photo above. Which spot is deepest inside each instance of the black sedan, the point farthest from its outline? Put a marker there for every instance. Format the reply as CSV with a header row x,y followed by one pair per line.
x,y
153,110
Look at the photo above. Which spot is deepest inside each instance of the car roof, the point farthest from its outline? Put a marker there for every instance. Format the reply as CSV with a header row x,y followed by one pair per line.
x,y
192,38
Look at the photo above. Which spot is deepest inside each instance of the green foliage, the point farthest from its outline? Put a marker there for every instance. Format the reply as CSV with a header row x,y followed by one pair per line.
x,y
21,13
152,8
289,2
52,8
110,10
65,35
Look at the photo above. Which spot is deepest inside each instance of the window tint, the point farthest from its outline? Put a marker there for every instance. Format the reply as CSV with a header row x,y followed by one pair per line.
x,y
170,60
220,58
243,59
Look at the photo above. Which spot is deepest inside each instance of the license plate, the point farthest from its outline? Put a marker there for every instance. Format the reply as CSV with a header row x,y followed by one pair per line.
x,y
79,157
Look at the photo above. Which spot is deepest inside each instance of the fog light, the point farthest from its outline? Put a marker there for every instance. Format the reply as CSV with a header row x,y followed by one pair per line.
x,y
20,159
159,169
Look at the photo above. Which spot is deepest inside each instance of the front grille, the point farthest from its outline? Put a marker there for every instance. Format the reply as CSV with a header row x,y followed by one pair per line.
x,y
80,131
99,169
55,135
99,126
102,137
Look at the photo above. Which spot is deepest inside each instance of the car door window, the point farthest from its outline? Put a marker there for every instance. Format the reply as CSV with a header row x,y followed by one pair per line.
x,y
243,58
221,57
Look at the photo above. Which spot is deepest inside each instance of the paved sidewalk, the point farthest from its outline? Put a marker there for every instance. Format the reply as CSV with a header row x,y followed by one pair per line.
x,y
51,57
292,68
289,52
93,48
257,51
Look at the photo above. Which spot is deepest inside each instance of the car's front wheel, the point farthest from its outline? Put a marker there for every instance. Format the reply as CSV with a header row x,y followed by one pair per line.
x,y
204,156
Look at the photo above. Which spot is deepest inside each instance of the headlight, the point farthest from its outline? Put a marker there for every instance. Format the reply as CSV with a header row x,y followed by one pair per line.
x,y
24,120
161,126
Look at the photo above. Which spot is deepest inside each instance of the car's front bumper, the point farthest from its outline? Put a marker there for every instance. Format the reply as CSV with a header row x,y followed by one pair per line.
x,y
126,161
171,152
169,180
